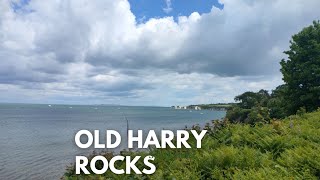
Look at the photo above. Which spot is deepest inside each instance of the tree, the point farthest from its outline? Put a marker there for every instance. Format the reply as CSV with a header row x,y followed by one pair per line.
x,y
277,104
250,99
251,109
301,71
247,100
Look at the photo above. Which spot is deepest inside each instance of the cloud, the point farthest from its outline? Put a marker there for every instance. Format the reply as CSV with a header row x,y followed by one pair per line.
x,y
168,7
97,51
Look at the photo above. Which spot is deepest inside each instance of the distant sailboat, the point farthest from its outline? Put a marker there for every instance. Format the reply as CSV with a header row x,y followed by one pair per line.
x,y
49,105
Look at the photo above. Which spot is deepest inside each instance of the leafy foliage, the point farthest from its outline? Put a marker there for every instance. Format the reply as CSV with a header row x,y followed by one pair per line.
x,y
277,103
301,72
249,99
251,109
287,149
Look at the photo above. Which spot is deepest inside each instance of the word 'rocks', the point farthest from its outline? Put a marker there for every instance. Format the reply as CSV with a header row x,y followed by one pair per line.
x,y
82,164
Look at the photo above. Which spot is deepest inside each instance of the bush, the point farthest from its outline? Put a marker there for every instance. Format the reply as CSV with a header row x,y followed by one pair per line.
x,y
250,116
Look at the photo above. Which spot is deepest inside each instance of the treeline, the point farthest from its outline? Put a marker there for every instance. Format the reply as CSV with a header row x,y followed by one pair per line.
x,y
224,106
301,91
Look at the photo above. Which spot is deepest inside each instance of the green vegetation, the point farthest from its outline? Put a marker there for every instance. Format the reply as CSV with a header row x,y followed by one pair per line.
x,y
301,72
301,91
287,149
251,109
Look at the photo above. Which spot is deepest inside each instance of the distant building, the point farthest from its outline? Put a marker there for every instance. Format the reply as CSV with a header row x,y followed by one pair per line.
x,y
197,108
180,107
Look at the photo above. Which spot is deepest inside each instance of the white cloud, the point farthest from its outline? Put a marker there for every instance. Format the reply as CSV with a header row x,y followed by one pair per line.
x,y
97,50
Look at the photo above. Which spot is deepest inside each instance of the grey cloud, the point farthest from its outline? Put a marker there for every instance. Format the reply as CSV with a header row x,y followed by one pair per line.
x,y
122,86
235,41
64,45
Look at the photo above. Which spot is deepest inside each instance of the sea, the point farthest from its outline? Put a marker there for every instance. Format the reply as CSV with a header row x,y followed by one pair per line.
x,y
37,140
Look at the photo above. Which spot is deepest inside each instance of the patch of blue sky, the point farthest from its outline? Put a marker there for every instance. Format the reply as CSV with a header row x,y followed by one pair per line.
x,y
19,6
146,9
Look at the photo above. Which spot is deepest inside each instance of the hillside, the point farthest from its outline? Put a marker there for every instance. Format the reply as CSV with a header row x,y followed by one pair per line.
x,y
287,149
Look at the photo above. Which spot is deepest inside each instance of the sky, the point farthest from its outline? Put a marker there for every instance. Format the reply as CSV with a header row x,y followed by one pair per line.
x,y
141,52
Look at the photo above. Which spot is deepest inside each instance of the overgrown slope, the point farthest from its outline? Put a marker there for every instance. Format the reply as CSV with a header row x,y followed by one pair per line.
x,y
287,149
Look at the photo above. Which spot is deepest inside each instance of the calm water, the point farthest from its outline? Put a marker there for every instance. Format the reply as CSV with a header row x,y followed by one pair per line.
x,y
37,141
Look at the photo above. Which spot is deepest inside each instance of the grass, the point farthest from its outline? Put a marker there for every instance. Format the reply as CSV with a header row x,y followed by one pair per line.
x,y
286,149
